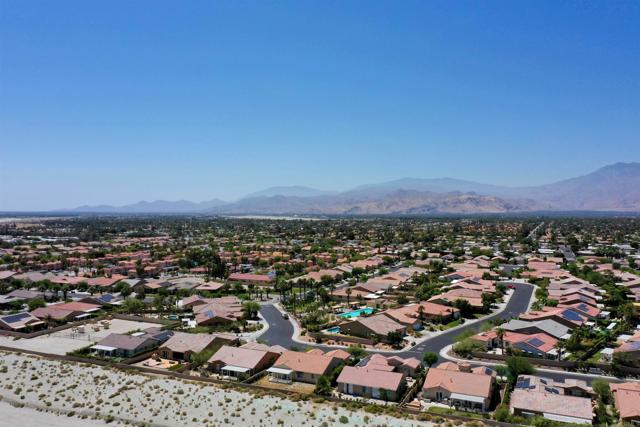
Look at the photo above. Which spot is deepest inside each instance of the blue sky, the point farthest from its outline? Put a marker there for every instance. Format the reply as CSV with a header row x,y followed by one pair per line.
x,y
117,101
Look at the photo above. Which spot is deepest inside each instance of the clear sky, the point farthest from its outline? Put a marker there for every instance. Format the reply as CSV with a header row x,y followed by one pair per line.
x,y
117,101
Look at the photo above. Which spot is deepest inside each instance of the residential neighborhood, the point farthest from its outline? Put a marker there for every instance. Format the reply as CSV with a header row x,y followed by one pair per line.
x,y
478,324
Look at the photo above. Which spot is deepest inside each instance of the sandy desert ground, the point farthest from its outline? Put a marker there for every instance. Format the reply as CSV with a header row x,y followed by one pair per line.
x,y
72,391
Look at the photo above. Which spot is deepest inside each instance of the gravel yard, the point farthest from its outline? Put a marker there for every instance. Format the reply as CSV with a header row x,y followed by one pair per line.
x,y
62,342
114,395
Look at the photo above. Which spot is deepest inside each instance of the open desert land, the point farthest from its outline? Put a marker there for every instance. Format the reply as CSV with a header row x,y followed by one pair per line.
x,y
78,392
13,416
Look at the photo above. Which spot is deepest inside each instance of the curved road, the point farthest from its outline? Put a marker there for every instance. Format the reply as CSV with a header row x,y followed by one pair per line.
x,y
281,331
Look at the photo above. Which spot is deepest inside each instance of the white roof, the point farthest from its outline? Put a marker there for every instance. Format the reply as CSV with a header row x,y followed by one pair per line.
x,y
467,397
103,347
280,371
232,368
566,419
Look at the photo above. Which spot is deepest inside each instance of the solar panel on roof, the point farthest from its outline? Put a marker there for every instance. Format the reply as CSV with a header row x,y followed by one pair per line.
x,y
571,315
536,342
523,383
16,317
552,390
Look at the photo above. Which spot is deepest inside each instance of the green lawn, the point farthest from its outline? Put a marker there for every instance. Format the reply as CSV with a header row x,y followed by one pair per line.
x,y
453,324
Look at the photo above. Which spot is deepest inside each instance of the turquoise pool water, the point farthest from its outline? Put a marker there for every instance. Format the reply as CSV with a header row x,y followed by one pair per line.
x,y
356,313
334,330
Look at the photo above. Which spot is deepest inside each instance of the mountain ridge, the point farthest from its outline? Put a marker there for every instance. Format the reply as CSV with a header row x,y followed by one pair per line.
x,y
614,187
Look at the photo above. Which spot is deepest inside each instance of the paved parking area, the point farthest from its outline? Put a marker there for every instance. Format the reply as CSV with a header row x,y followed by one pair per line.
x,y
62,342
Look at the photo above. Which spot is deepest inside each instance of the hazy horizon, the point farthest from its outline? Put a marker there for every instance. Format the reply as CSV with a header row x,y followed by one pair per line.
x,y
119,102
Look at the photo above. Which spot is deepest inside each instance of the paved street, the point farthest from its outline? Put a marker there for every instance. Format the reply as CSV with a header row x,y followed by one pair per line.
x,y
280,331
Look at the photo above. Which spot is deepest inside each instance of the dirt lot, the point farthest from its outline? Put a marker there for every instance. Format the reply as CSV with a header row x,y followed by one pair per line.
x,y
294,386
80,390
62,342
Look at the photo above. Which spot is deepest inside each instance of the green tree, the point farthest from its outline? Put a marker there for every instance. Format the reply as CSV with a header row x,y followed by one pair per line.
x,y
463,305
602,389
250,309
518,366
132,305
35,303
429,358
202,357
323,386
395,338
501,413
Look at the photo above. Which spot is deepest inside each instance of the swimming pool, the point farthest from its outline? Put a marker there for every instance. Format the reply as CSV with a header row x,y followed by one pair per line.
x,y
334,330
356,313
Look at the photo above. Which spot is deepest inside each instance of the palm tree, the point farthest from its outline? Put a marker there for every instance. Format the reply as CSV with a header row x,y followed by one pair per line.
x,y
500,334
560,346
348,292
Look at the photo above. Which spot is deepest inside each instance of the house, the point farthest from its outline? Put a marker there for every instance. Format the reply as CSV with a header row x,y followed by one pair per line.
x,y
21,322
105,282
570,387
626,397
547,326
353,295
375,327
214,311
22,296
210,286
459,386
303,367
66,312
413,315
181,346
241,361
6,275
103,299
472,296
583,309
371,383
530,399
409,366
537,345
630,346
123,345
565,316
251,279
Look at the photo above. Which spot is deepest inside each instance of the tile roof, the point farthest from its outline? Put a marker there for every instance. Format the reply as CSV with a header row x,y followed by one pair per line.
x,y
311,363
470,383
238,356
552,403
627,399
371,378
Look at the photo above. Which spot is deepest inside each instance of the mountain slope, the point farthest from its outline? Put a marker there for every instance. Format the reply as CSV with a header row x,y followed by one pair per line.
x,y
289,191
611,188
400,202
158,206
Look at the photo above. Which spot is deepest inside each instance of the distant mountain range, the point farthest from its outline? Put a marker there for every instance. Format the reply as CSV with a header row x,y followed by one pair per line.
x,y
611,188
158,206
